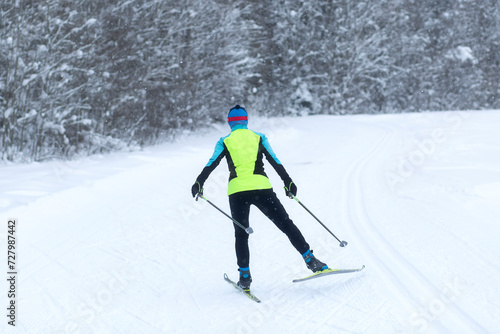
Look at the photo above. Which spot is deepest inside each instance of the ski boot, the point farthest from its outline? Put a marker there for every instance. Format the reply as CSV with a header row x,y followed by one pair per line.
x,y
312,262
245,278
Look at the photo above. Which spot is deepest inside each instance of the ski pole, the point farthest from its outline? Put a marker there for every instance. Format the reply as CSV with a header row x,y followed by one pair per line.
x,y
249,230
342,243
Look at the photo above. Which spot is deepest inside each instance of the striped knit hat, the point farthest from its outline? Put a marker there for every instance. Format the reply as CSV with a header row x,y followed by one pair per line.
x,y
237,115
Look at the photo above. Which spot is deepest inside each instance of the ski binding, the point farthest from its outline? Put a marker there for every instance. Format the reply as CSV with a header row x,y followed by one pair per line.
x,y
245,291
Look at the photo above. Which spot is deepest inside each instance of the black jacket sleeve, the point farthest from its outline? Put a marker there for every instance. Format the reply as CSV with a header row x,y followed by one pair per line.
x,y
274,161
219,153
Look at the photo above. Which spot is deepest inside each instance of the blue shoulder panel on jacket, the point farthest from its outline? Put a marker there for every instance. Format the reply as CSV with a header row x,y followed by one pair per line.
x,y
267,146
219,148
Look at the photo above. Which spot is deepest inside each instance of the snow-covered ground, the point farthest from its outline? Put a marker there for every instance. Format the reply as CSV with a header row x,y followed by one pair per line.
x,y
116,244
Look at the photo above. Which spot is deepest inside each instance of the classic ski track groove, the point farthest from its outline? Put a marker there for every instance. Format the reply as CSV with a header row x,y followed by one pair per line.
x,y
393,263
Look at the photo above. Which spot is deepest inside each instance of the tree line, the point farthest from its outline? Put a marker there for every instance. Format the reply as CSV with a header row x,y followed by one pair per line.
x,y
89,76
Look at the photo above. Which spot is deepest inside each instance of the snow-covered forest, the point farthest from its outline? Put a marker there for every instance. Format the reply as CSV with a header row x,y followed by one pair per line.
x,y
88,76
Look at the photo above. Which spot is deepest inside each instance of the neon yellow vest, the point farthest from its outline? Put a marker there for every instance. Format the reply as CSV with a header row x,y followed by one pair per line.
x,y
243,146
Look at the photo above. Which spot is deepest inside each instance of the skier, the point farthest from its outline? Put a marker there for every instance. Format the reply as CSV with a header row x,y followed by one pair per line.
x,y
248,184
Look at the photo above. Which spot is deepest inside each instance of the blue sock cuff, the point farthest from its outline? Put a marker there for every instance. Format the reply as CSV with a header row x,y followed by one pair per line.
x,y
306,253
245,269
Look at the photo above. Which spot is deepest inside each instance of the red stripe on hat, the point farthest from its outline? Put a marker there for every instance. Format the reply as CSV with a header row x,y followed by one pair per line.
x,y
238,118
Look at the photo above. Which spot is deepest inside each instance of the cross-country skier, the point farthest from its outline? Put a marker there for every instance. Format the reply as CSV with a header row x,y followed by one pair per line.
x,y
248,184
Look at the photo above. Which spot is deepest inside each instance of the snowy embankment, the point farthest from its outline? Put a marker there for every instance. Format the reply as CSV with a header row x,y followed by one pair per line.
x,y
116,244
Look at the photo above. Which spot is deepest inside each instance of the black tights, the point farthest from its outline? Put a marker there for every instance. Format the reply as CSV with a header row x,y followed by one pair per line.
x,y
269,204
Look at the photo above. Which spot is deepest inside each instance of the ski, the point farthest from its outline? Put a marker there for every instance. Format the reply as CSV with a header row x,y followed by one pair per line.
x,y
246,292
327,272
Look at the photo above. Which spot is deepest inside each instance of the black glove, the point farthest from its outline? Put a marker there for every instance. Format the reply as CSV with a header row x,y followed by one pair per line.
x,y
196,188
290,188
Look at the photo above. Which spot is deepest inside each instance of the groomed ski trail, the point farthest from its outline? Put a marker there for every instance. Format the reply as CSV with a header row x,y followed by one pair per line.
x,y
412,287
116,243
